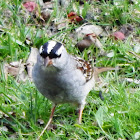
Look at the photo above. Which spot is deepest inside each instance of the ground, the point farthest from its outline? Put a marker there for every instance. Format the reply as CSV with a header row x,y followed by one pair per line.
x,y
24,111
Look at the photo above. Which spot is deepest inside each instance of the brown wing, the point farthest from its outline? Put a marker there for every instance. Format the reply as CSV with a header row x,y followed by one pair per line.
x,y
85,67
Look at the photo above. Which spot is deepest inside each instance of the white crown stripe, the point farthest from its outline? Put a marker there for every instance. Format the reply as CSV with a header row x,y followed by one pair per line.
x,y
59,51
41,49
51,45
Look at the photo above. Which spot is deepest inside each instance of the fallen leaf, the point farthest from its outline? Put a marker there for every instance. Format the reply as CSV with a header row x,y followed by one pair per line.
x,y
118,35
74,18
15,64
88,40
71,14
10,70
30,6
36,13
85,43
31,61
88,29
16,69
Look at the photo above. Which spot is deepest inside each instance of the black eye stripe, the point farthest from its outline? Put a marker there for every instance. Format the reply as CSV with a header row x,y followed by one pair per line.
x,y
56,48
45,47
44,50
53,53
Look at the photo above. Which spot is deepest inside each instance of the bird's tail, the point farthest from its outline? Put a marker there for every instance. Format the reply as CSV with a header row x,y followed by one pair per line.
x,y
98,70
103,69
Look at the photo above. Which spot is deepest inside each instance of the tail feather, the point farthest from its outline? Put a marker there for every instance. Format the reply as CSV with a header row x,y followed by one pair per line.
x,y
99,70
103,69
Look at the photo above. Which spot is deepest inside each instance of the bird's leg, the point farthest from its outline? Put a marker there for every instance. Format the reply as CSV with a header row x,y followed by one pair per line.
x,y
80,114
50,119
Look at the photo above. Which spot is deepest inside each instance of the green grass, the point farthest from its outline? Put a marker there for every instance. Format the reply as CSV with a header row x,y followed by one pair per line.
x,y
21,105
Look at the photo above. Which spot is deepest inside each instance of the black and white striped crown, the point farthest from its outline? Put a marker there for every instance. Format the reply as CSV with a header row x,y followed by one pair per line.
x,y
51,49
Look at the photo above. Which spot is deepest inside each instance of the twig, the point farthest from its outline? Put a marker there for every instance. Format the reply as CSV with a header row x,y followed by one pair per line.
x,y
134,54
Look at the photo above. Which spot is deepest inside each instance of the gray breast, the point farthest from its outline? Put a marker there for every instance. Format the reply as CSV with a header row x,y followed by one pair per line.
x,y
59,87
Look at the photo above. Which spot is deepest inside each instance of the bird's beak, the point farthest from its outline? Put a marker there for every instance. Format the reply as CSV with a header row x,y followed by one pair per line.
x,y
47,61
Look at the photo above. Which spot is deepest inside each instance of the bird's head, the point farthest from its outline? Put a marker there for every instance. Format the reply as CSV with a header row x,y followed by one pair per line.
x,y
52,52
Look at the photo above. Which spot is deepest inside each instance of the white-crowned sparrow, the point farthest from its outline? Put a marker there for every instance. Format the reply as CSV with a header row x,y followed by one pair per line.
x,y
63,78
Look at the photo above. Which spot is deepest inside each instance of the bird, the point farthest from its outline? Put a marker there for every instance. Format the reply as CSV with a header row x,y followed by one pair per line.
x,y
63,78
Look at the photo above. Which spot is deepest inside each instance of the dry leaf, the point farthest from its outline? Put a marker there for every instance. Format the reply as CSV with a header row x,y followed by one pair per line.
x,y
31,61
16,69
118,35
30,6
10,70
74,18
88,29
88,40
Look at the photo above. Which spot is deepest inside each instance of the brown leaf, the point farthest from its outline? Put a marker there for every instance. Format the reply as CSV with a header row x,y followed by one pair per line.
x,y
10,70
31,61
16,69
88,40
74,18
30,6
85,43
118,35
